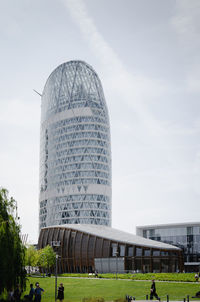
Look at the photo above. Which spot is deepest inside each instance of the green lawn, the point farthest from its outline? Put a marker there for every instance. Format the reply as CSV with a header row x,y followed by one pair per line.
x,y
76,288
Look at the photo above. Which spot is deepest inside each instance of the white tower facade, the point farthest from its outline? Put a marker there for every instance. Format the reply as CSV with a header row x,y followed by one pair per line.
x,y
75,150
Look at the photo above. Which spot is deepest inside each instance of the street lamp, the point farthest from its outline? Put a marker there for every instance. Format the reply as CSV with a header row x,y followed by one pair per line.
x,y
56,275
56,244
43,255
116,253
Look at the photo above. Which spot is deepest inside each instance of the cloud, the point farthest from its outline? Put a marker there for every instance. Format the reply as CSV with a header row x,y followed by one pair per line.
x,y
193,78
87,27
186,20
154,160
134,90
19,112
19,156
186,23
9,25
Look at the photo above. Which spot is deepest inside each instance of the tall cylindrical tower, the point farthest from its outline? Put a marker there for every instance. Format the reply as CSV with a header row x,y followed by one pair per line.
x,y
75,152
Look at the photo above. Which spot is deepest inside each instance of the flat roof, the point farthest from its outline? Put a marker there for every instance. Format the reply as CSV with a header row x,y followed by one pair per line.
x,y
169,225
115,235
191,263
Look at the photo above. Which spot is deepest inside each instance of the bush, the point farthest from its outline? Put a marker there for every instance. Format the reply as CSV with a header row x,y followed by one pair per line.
x,y
180,277
120,300
93,299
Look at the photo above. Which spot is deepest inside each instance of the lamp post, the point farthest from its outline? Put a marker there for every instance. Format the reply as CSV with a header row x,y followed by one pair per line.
x,y
43,256
56,244
116,253
56,275
133,264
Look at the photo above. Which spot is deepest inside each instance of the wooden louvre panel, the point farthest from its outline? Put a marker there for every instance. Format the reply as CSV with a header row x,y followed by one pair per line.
x,y
40,239
55,235
84,249
106,248
78,248
45,238
62,261
98,248
91,247
71,243
61,239
51,234
65,244
65,248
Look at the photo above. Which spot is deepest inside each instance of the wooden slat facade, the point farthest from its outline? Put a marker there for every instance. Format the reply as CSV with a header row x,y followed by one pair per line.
x,y
79,249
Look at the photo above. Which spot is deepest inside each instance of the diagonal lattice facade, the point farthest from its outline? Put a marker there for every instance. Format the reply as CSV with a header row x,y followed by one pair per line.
x,y
75,153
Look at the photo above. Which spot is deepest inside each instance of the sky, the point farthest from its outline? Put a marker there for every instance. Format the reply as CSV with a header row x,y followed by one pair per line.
x,y
147,56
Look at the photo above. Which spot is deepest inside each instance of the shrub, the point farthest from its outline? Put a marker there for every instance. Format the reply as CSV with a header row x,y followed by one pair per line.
x,y
93,299
120,300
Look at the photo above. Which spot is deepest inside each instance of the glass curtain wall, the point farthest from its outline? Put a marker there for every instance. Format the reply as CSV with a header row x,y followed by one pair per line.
x,y
186,237
75,152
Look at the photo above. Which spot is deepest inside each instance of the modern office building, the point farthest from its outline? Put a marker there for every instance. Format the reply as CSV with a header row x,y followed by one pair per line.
x,y
86,248
75,151
75,182
183,235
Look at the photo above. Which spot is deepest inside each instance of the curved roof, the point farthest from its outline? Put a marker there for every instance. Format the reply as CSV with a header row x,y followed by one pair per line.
x,y
76,62
116,235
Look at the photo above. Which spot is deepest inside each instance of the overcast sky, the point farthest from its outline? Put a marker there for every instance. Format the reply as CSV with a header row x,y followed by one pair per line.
x,y
147,55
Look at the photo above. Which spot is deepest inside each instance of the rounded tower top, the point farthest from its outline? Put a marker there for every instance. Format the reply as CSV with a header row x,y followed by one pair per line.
x,y
68,83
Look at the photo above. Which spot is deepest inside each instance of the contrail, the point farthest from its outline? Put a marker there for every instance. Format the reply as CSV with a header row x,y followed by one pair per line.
x,y
129,87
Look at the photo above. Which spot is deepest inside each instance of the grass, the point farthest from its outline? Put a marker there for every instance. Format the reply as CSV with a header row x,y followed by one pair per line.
x,y
76,289
180,277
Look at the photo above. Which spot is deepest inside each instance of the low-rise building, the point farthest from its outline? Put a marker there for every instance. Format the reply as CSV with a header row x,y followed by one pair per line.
x,y
86,248
183,235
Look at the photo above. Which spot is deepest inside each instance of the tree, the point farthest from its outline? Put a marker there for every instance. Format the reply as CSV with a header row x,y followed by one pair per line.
x,y
12,251
31,256
47,257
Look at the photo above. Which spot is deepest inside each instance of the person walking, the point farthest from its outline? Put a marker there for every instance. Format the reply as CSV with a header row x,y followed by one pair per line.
x,y
61,292
38,292
153,291
17,293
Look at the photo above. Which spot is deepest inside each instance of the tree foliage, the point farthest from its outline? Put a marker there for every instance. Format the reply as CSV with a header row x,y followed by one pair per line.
x,y
32,257
12,251
47,257
44,258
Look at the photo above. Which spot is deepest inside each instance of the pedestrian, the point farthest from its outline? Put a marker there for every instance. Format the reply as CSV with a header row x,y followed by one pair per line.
x,y
153,291
38,292
17,293
30,296
10,295
196,277
61,292
96,274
